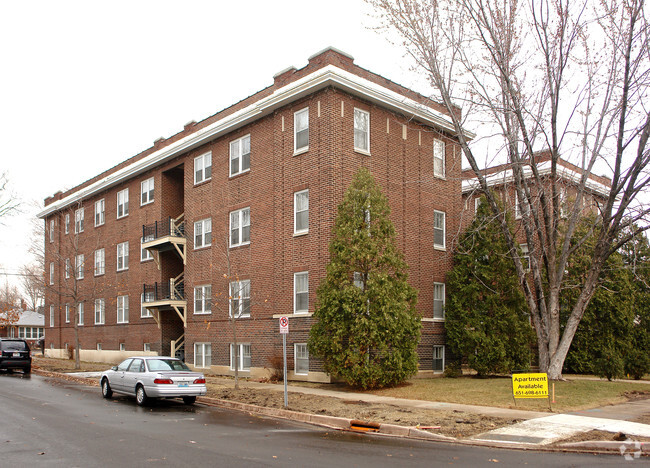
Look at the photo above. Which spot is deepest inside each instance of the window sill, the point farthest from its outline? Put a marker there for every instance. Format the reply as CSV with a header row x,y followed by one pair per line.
x,y
362,151
237,174
440,248
203,247
239,245
203,313
122,270
239,317
99,274
146,260
430,319
123,216
100,225
301,233
122,323
294,315
203,182
145,204
441,177
300,151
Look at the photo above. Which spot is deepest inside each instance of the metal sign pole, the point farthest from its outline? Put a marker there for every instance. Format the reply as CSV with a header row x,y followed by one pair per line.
x,y
284,353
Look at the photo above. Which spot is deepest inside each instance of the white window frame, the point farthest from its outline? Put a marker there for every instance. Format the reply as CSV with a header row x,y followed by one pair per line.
x,y
439,157
237,154
434,358
100,311
296,130
51,273
203,233
67,313
99,346
123,203
204,352
146,347
302,357
80,313
145,255
144,312
122,309
66,223
100,212
51,230
360,131
296,277
79,215
203,297
241,347
203,165
100,262
79,266
123,256
525,257
443,229
147,191
239,291
239,216
438,291
51,316
296,212
67,268
122,347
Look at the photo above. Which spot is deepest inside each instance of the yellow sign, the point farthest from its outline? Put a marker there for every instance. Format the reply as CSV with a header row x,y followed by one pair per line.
x,y
530,385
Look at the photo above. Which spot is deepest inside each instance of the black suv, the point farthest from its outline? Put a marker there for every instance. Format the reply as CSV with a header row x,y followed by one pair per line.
x,y
14,354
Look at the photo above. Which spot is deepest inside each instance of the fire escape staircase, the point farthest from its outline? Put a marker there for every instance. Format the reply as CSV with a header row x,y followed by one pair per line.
x,y
161,236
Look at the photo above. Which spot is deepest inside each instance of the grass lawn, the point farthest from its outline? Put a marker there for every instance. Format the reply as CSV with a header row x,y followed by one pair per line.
x,y
570,395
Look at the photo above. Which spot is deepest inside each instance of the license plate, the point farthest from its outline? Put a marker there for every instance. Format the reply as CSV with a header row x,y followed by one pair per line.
x,y
183,384
16,354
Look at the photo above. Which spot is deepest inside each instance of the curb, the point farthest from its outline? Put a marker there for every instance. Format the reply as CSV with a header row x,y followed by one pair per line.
x,y
393,430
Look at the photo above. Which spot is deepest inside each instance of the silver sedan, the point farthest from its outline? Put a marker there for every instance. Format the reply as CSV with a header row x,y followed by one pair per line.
x,y
153,377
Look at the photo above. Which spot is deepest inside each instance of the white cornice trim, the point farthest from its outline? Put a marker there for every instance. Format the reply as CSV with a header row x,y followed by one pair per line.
x,y
544,169
321,78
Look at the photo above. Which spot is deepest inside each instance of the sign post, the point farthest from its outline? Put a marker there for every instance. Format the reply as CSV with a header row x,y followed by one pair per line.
x,y
284,330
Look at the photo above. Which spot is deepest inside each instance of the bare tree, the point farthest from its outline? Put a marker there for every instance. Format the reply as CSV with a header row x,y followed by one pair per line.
x,y
570,77
32,283
9,202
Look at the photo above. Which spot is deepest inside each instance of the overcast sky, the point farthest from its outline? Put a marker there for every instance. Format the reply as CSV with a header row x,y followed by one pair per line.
x,y
86,84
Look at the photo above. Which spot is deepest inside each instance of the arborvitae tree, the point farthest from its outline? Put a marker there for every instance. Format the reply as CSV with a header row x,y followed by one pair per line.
x,y
485,314
366,329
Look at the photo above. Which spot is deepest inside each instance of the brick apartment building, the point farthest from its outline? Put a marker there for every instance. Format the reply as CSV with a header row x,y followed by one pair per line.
x,y
242,204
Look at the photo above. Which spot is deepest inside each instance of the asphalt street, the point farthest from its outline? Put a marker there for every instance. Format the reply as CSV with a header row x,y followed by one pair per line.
x,y
49,422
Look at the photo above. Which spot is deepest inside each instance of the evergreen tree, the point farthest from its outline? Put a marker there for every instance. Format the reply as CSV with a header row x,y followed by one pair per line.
x,y
366,329
485,313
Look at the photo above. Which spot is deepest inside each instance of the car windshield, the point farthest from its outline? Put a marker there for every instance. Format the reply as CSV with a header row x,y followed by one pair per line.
x,y
14,345
166,365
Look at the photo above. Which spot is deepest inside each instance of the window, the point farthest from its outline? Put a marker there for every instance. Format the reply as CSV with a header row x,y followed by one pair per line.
x,y
525,257
202,355
67,313
67,268
301,292
122,203
439,229
517,206
99,346
438,358
146,192
122,347
202,168
51,230
123,256
361,130
79,221
80,311
358,280
301,358
240,227
51,273
240,155
202,233
203,299
301,131
29,332
100,262
100,215
240,354
51,316
438,300
100,311
240,298
79,266
66,223
144,298
145,255
122,309
146,347
301,212
438,158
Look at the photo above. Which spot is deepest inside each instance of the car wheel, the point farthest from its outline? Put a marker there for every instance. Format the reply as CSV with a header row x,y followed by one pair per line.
x,y
107,392
27,370
189,400
141,396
